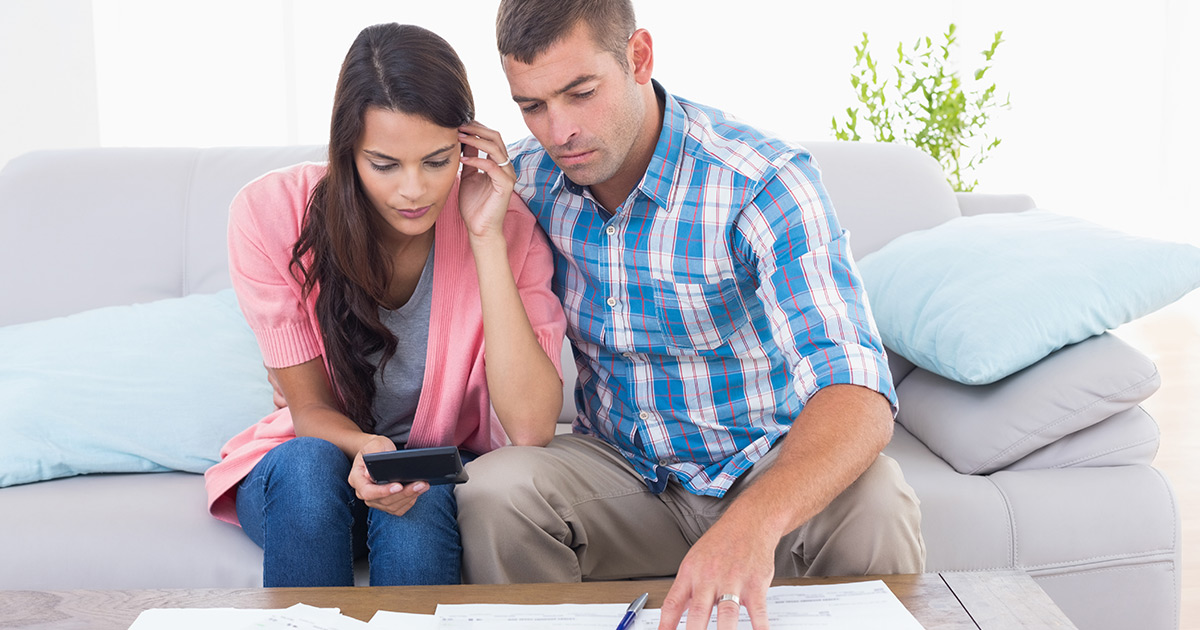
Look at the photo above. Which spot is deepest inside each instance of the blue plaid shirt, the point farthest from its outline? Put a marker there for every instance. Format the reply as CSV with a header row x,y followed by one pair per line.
x,y
712,305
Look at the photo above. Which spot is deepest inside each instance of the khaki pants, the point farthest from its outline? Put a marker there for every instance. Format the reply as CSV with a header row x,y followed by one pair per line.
x,y
575,510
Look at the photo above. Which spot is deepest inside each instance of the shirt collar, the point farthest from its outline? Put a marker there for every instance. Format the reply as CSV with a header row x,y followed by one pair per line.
x,y
664,165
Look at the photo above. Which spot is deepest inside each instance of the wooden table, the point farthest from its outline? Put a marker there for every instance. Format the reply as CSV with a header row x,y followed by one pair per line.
x,y
968,601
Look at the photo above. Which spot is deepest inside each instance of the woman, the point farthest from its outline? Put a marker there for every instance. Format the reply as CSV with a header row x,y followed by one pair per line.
x,y
395,303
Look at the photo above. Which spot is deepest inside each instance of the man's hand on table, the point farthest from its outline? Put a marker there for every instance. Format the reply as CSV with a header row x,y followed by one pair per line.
x,y
729,559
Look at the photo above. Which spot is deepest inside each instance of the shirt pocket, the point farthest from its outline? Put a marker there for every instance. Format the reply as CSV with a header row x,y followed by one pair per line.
x,y
698,316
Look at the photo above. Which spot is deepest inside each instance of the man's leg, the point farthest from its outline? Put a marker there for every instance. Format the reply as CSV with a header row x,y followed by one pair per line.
x,y
871,528
573,510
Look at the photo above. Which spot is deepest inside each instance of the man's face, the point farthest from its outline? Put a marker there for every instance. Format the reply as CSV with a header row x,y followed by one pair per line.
x,y
581,104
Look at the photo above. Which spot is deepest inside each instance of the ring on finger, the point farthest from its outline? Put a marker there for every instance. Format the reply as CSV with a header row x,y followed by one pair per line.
x,y
506,162
730,597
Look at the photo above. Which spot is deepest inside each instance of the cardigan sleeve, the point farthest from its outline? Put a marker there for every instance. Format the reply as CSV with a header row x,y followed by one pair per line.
x,y
264,223
534,275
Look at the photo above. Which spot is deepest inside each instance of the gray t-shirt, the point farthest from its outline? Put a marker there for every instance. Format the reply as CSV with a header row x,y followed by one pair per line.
x,y
398,384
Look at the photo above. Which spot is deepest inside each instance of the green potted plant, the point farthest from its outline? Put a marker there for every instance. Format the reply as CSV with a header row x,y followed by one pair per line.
x,y
927,106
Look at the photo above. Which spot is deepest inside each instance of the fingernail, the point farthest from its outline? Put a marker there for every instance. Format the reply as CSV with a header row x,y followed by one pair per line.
x,y
395,488
420,487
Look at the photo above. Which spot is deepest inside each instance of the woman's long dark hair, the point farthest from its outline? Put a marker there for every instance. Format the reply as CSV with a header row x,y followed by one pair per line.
x,y
401,68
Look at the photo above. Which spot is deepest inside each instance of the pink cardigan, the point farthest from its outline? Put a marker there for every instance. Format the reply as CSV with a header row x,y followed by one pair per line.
x,y
454,409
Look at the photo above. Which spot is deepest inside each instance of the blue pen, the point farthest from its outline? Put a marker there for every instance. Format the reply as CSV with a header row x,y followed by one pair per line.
x,y
632,611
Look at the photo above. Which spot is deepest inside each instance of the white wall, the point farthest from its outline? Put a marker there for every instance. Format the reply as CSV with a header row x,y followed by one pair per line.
x,y
1102,123
47,76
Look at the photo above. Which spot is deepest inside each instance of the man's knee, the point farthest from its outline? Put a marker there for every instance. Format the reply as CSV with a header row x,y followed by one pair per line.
x,y
873,527
508,523
499,476
883,488
883,502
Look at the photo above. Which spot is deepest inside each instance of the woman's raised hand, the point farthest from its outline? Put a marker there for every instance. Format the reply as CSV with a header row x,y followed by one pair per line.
x,y
487,183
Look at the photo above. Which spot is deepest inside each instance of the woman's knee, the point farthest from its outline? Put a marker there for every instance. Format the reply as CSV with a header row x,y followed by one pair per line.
x,y
307,473
306,457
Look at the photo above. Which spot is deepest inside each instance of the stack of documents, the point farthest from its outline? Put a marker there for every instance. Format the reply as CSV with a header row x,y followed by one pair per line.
x,y
854,606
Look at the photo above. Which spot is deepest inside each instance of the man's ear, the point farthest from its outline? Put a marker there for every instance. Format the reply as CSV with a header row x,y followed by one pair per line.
x,y
641,55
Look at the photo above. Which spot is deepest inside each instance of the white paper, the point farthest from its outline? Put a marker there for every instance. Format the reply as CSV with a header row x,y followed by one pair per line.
x,y
853,606
532,617
195,618
304,617
388,620
298,617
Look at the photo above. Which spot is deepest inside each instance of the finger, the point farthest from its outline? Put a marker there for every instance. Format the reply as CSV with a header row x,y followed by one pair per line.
x,y
395,510
365,487
377,492
276,393
495,150
673,606
358,472
468,149
484,164
400,502
502,175
700,612
727,614
475,128
756,607
405,493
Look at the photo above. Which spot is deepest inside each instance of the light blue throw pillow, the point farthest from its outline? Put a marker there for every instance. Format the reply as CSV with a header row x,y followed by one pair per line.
x,y
141,388
978,298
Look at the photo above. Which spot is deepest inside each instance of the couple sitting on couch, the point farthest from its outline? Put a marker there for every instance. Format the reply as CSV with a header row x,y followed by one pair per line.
x,y
709,293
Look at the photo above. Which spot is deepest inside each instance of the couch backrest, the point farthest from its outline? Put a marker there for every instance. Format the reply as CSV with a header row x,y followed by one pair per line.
x,y
84,228
881,191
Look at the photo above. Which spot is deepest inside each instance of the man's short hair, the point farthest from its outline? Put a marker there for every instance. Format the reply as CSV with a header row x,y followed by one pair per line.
x,y
526,28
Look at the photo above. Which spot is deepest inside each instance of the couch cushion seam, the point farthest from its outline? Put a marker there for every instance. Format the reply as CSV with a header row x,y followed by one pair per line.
x,y
1122,567
1149,553
1110,451
184,285
1012,522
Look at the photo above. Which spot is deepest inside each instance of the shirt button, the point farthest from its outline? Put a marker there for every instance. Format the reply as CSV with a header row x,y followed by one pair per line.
x,y
611,230
612,301
627,355
644,415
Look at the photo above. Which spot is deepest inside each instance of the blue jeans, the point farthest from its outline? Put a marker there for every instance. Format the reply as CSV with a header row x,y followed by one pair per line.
x,y
297,505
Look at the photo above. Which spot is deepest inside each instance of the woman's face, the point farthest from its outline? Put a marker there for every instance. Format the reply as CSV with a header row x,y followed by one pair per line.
x,y
407,165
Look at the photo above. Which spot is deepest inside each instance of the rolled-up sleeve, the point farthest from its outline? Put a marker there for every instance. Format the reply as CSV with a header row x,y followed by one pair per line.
x,y
809,285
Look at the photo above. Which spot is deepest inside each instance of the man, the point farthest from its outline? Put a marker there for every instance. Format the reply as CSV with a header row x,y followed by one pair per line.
x,y
733,391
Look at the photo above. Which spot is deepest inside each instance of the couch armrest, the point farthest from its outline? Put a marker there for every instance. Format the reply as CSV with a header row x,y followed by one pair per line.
x,y
971,204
